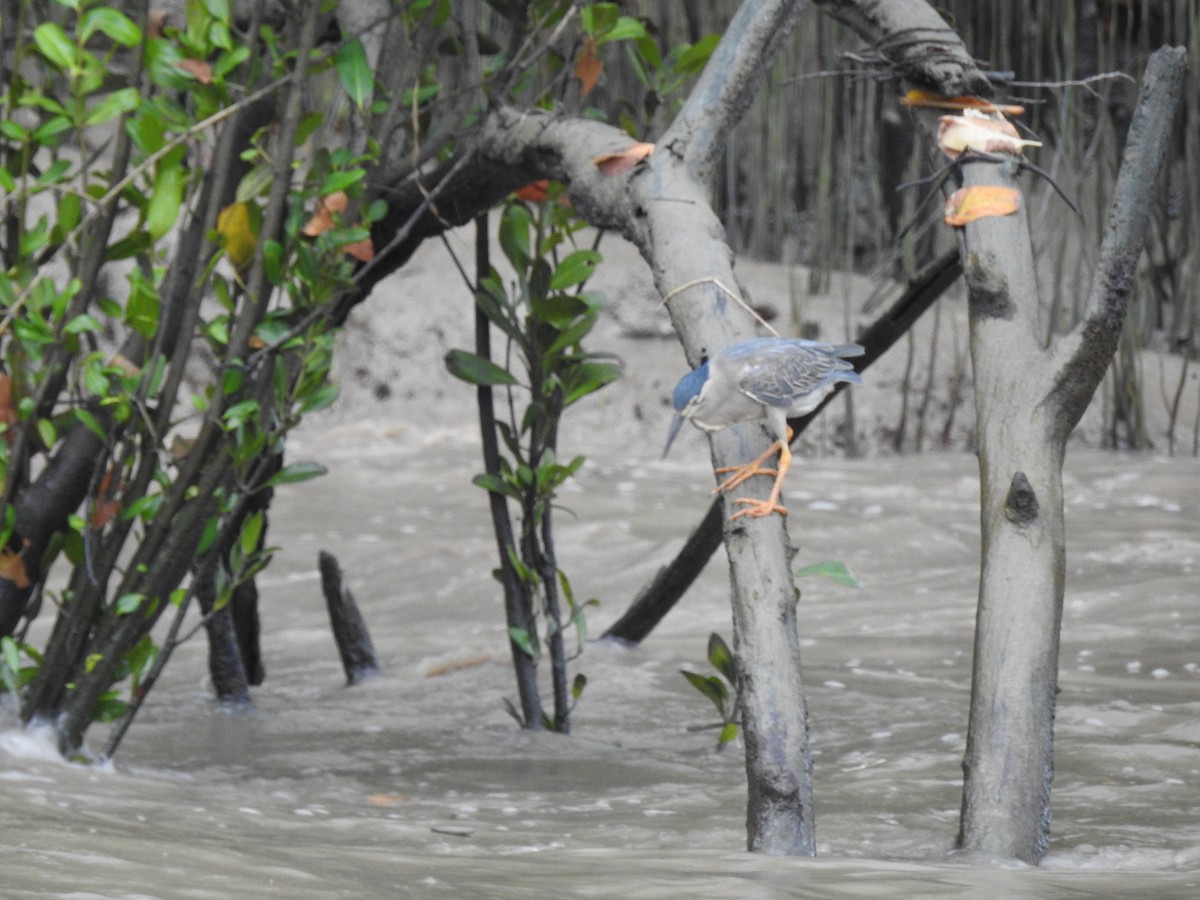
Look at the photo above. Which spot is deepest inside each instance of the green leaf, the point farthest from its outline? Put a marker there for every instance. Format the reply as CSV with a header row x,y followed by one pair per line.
x,y
728,733
211,527
339,181
721,657
322,398
128,603
710,686
131,245
252,530
526,574
116,103
515,223
496,485
354,71
47,432
577,686
165,202
694,58
116,25
54,44
834,570
296,473
142,307
599,17
626,28
475,369
575,269
11,653
89,422
521,638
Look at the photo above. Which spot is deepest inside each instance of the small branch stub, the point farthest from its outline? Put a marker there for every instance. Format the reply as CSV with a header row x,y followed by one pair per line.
x,y
349,630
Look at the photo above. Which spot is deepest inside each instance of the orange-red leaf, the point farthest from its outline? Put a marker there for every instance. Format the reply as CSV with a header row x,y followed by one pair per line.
x,y
104,509
939,101
535,191
103,512
12,568
623,160
363,251
322,220
588,67
957,134
8,410
198,69
971,203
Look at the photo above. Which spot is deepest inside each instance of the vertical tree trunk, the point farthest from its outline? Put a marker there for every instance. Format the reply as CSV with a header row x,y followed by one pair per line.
x,y
1028,399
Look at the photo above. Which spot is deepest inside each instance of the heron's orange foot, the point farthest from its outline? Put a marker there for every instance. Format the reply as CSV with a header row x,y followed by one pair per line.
x,y
740,473
757,509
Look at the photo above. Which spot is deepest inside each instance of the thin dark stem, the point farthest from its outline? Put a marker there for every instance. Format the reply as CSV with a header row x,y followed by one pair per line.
x,y
516,600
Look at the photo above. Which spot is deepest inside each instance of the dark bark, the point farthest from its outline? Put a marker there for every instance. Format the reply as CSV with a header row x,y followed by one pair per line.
x,y
672,581
349,628
225,668
518,603
912,37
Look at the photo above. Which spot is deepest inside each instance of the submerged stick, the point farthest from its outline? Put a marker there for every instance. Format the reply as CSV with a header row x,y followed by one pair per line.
x,y
349,630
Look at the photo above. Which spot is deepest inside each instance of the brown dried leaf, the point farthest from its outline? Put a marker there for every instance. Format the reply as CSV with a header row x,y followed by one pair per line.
x,y
8,409
623,160
12,568
971,203
156,21
198,69
588,67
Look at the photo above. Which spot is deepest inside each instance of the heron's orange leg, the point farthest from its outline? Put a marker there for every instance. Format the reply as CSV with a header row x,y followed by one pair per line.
x,y
756,509
746,470
752,468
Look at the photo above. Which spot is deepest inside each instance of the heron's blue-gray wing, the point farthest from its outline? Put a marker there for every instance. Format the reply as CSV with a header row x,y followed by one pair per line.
x,y
780,371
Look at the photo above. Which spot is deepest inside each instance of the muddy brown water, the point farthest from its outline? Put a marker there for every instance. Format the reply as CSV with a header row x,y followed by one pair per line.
x,y
418,784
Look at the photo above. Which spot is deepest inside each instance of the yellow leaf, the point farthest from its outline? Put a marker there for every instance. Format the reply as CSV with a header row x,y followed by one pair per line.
x,y
971,203
236,225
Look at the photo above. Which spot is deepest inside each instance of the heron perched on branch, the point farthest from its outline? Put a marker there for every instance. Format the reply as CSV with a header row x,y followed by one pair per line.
x,y
765,378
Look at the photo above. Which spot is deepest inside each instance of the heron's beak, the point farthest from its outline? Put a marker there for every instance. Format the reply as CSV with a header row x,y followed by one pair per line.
x,y
678,421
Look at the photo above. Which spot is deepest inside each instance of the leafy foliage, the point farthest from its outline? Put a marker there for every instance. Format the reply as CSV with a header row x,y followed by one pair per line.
x,y
544,317
138,478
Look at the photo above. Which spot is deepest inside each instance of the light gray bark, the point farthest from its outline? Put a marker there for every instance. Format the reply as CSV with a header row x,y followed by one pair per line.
x,y
1027,401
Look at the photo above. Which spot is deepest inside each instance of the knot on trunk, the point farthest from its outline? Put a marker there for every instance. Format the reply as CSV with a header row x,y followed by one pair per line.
x,y
987,287
1021,506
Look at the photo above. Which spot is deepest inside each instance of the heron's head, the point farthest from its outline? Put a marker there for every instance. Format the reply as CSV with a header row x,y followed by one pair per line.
x,y
685,399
